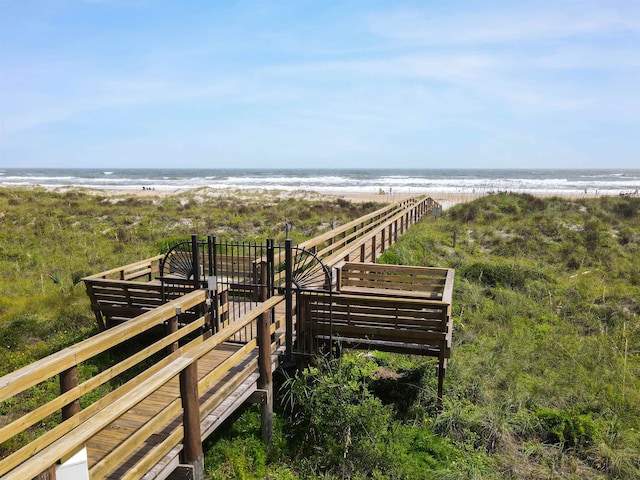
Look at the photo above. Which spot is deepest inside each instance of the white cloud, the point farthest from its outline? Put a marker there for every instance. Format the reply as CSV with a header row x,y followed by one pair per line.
x,y
533,23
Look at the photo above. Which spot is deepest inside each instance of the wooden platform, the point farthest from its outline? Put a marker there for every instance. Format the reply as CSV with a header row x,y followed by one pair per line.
x,y
193,374
105,448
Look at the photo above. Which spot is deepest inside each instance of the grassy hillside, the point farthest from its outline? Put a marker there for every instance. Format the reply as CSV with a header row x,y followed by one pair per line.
x,y
49,241
544,380
546,366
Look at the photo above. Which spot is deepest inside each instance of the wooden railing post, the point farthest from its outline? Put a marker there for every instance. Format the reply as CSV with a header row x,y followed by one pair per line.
x,y
48,474
69,381
373,249
192,443
265,381
171,326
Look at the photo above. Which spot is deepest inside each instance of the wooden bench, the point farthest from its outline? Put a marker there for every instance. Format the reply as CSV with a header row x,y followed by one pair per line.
x,y
396,281
403,325
115,301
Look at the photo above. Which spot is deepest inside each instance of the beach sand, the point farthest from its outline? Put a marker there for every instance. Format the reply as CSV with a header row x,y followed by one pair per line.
x,y
446,199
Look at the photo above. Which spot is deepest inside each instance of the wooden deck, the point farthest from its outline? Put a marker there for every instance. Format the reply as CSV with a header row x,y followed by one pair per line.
x,y
112,445
190,379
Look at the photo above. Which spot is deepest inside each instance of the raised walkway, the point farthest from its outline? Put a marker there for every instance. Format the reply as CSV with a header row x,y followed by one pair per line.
x,y
138,399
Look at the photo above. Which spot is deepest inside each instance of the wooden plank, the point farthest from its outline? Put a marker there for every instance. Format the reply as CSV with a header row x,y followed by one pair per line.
x,y
373,321
394,282
154,456
391,293
403,269
130,266
378,311
387,346
41,370
391,334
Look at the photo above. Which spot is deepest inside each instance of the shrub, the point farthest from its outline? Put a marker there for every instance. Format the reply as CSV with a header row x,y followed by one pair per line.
x,y
568,429
498,274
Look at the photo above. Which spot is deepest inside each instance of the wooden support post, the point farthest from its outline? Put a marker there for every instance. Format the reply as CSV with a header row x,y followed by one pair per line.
x,y
440,387
69,381
265,381
373,249
363,253
224,300
48,474
192,443
442,368
171,326
395,228
382,240
207,329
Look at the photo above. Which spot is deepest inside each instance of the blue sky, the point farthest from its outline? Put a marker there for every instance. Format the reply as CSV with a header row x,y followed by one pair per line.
x,y
482,84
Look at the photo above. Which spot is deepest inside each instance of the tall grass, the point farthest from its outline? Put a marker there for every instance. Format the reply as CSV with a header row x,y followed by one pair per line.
x,y
546,357
544,380
50,240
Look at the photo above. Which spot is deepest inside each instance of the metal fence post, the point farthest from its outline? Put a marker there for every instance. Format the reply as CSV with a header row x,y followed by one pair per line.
x,y
288,292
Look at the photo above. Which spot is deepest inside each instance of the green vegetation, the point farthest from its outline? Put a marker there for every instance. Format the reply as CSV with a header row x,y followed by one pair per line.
x,y
50,240
544,379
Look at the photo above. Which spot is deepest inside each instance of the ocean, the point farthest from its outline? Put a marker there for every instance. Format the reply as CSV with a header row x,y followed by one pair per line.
x,y
576,181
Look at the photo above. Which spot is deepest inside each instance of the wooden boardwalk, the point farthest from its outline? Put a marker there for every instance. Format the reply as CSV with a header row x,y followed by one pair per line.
x,y
191,375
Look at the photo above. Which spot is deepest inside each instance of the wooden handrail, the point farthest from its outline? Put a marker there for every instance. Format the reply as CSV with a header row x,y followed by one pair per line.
x,y
131,266
77,427
349,248
39,371
75,438
385,211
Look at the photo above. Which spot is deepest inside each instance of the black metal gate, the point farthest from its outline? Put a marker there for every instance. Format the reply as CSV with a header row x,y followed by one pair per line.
x,y
239,276
306,277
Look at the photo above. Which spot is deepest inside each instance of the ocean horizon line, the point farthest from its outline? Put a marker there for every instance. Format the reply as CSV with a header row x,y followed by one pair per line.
x,y
607,181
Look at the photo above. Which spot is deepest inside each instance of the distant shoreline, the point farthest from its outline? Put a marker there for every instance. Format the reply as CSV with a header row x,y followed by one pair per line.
x,y
458,185
446,199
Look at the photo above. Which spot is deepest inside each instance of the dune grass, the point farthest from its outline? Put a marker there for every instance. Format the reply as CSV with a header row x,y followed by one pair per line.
x,y
544,380
50,240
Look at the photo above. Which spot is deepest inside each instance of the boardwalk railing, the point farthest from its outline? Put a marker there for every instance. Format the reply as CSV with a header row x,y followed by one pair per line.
x,y
153,365
376,231
175,358
143,270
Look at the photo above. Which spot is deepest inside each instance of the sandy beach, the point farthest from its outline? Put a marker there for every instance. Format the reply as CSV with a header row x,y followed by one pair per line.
x,y
446,199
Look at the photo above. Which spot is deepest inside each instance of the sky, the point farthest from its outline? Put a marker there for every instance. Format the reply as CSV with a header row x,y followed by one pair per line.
x,y
290,84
